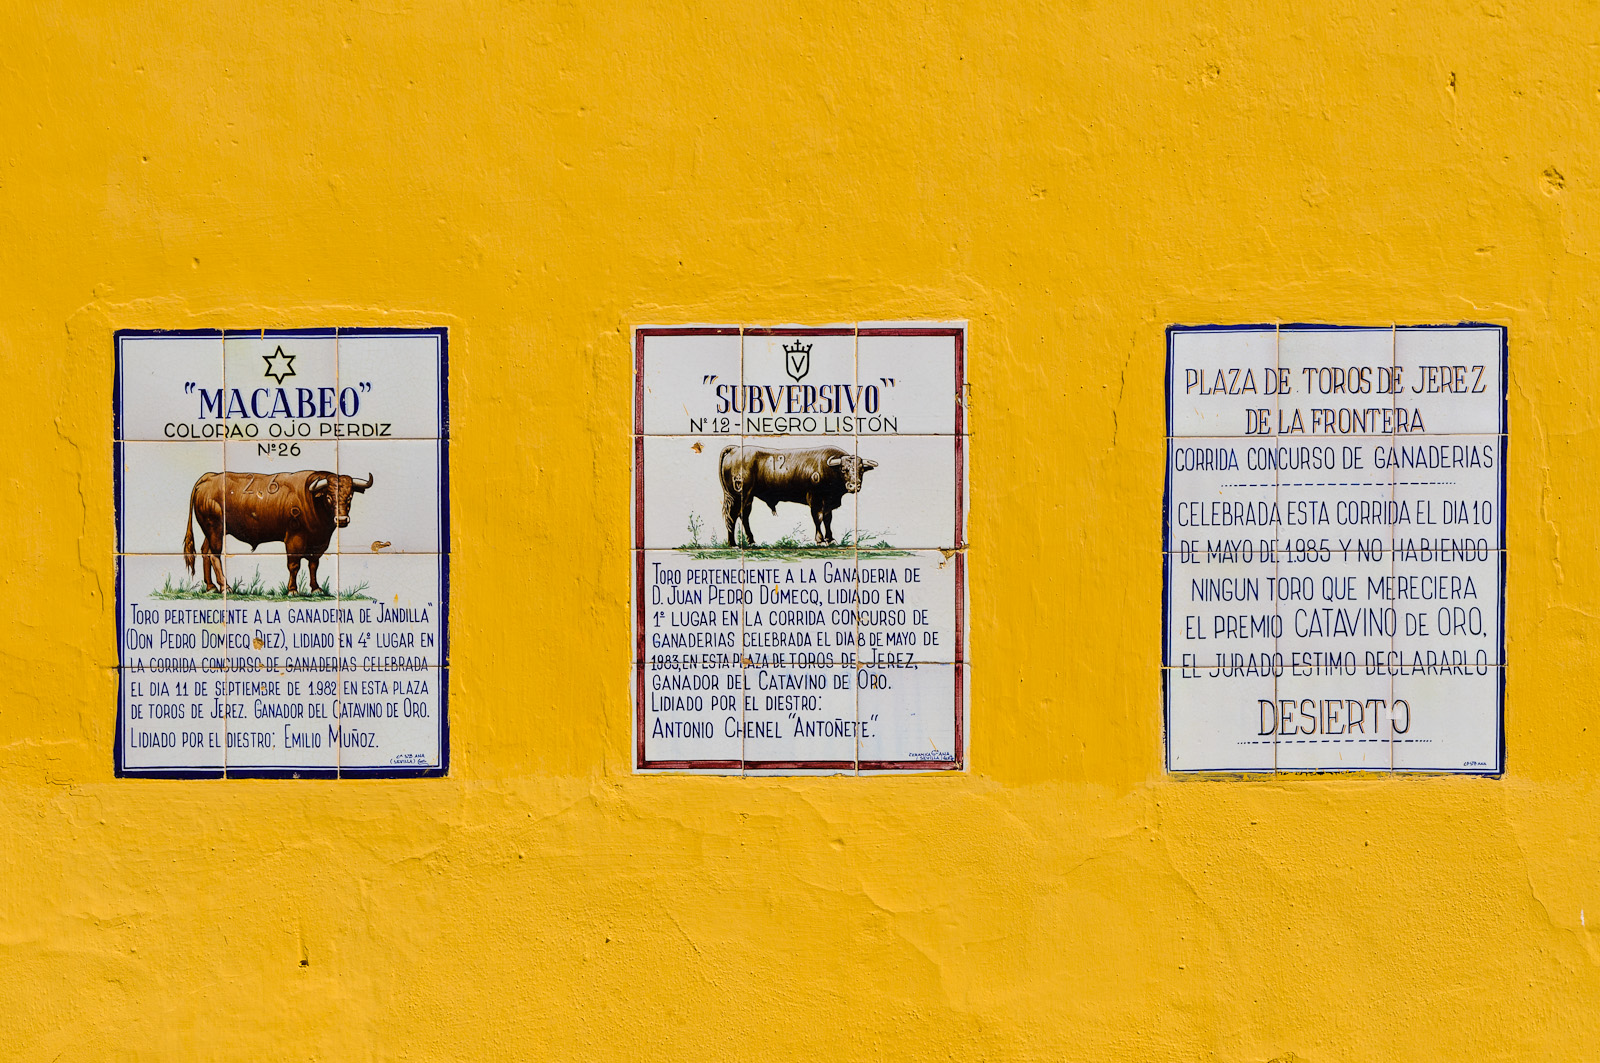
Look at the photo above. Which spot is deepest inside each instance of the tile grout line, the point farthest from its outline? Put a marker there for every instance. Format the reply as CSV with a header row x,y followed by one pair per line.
x,y
1390,524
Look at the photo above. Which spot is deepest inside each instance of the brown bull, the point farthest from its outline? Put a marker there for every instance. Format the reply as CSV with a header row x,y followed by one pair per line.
x,y
298,509
818,478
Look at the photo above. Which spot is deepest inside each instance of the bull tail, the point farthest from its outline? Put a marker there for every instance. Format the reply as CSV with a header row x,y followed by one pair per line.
x,y
188,532
722,466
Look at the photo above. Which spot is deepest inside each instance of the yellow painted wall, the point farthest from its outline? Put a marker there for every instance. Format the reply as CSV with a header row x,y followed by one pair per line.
x,y
542,177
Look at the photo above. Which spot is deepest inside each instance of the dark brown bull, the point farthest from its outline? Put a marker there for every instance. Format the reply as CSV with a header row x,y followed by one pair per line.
x,y
818,479
298,509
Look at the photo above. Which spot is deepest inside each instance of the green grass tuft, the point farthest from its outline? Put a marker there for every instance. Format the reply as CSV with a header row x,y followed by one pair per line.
x,y
797,545
254,591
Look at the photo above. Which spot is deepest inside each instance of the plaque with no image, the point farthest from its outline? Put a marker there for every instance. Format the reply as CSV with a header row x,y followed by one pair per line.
x,y
1335,551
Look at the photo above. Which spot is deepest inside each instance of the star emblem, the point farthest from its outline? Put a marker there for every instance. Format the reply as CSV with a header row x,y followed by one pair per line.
x,y
279,365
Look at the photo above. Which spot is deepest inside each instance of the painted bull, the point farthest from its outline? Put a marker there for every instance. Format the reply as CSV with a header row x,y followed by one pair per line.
x,y
818,479
298,509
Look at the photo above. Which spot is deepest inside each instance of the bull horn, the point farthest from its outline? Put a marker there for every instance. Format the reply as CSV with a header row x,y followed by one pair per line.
x,y
868,463
835,460
315,483
358,486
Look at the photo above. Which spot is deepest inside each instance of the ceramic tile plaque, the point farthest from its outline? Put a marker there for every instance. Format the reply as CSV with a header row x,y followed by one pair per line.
x,y
1335,548
282,553
799,533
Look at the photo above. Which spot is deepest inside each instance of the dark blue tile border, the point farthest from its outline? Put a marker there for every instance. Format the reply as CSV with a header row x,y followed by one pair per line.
x,y
1172,331
441,334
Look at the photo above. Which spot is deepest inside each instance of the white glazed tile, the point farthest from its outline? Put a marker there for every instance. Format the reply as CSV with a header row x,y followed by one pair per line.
x,y
1356,349
176,655
797,611
1459,500
157,597
1220,608
286,635
1215,723
904,605
908,500
1220,382
1335,513
1449,603
787,622
689,714
397,380
774,361
160,731
279,717
171,670
800,716
269,479
691,385
686,629
280,382
1335,376
915,377
262,577
166,623
1327,466
401,507
909,714
1333,604
1448,722
387,720
1333,722
1213,496
693,610
395,611
791,522
171,386
683,493
158,481
266,457
1452,378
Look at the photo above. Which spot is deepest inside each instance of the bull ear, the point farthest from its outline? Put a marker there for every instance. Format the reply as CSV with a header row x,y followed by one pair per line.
x,y
357,486
868,463
834,460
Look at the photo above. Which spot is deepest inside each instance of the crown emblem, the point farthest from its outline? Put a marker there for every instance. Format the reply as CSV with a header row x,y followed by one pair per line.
x,y
797,359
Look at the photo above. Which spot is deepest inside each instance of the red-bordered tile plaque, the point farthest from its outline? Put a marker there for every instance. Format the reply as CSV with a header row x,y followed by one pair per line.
x,y
799,533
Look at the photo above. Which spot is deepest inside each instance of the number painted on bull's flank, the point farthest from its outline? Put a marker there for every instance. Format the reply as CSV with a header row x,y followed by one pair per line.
x,y
800,551
282,553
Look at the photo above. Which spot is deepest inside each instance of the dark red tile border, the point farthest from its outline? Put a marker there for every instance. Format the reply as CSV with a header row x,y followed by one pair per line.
x,y
958,334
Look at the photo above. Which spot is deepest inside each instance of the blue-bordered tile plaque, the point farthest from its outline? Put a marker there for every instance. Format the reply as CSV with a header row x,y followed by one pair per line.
x,y
799,532
282,503
1334,548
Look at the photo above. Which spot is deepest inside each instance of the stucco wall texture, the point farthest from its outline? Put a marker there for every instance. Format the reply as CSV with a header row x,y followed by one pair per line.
x,y
540,178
